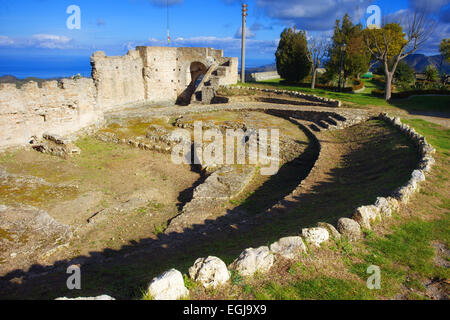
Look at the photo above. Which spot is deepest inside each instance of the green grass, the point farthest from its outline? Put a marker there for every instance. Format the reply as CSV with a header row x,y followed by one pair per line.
x,y
438,136
359,99
424,103
365,99
406,256
322,288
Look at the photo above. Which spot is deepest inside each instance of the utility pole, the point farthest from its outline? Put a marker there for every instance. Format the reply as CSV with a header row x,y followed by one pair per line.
x,y
244,15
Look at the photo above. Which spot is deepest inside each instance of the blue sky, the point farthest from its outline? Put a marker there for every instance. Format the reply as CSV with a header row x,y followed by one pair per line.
x,y
37,28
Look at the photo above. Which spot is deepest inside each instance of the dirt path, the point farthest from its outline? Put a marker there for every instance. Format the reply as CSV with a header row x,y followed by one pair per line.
x,y
331,191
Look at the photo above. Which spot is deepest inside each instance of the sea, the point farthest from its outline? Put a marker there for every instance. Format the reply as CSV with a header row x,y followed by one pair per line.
x,y
46,67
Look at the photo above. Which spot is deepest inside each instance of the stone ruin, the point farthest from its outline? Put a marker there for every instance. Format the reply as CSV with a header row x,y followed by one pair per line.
x,y
150,75
147,75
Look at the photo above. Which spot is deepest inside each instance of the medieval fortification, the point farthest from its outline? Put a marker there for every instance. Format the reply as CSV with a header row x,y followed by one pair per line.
x,y
147,75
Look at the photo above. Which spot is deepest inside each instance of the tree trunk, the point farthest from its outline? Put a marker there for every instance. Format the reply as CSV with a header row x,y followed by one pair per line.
x,y
313,81
388,86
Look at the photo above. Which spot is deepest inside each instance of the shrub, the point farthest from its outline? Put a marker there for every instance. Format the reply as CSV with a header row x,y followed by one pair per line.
x,y
407,94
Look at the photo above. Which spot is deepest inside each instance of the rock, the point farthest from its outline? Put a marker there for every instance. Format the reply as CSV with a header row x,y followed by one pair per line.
x,y
99,298
289,247
225,183
168,286
252,260
383,207
404,193
315,236
33,233
331,230
349,228
210,272
418,176
393,203
365,215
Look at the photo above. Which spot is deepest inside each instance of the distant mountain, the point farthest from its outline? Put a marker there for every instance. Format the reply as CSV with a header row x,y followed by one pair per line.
x,y
8,79
20,82
420,61
265,68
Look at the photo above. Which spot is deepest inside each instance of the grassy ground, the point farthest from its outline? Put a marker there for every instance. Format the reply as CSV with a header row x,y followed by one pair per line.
x,y
404,248
336,195
365,99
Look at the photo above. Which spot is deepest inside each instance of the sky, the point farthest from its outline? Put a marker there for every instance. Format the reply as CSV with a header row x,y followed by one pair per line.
x,y
37,30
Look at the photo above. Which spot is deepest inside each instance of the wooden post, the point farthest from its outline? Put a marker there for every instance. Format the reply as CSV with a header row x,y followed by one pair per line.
x,y
244,15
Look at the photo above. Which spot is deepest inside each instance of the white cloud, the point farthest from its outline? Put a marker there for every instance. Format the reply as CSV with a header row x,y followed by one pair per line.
x,y
47,41
313,15
6,41
429,5
230,45
249,34
431,46
50,41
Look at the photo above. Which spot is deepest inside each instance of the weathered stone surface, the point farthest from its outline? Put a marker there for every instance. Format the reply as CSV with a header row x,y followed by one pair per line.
x,y
418,176
349,228
315,236
28,230
289,247
331,230
99,298
384,207
220,186
393,203
144,75
225,183
253,260
210,272
365,215
168,286
60,107
404,193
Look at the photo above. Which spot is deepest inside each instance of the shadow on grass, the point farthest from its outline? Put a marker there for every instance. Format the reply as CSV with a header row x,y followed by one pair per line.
x,y
379,160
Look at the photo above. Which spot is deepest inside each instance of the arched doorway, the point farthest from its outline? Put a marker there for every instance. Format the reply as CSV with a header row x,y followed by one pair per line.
x,y
194,76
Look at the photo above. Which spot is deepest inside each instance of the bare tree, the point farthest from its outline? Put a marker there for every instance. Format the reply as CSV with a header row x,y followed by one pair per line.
x,y
317,50
390,44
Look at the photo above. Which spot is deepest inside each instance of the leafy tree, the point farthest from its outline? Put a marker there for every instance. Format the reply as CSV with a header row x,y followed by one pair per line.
x,y
431,73
404,73
444,48
356,56
292,55
390,43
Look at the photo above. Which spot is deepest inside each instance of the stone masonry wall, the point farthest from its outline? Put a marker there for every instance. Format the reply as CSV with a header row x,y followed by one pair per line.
x,y
58,107
144,75
119,80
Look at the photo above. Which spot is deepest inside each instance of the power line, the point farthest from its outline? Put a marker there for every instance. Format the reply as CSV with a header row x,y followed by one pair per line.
x,y
168,22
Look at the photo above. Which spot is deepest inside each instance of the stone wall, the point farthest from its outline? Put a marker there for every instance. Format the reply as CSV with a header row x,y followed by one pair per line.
x,y
213,272
58,107
118,80
145,75
167,71
262,76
